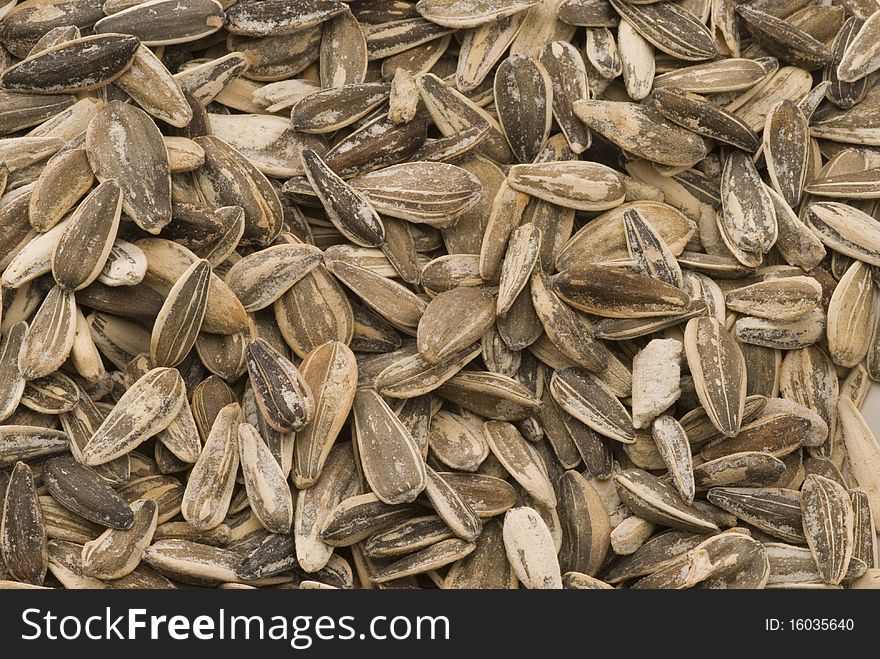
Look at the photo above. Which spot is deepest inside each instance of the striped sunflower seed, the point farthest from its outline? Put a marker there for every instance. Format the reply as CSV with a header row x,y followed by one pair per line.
x,y
828,526
210,486
719,371
283,396
81,490
116,553
391,460
180,318
148,407
22,531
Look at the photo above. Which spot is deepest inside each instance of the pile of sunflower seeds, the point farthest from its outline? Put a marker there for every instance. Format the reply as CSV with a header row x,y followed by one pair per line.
x,y
446,294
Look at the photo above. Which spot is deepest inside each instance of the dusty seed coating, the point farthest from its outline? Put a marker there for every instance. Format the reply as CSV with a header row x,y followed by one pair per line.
x,y
447,293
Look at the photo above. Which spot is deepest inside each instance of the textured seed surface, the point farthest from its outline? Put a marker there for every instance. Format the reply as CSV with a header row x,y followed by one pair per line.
x,y
439,293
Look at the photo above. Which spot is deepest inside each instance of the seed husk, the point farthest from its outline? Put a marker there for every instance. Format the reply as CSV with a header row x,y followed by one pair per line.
x,y
490,395
704,118
180,318
776,511
12,382
568,78
330,371
261,278
50,335
80,489
748,221
266,484
336,483
851,316
116,553
452,508
587,529
278,17
520,460
83,248
828,526
390,457
673,30
77,65
452,321
530,549
617,293
162,22
526,126
628,125
787,159
22,531
573,184
719,372
357,517
745,469
657,501
784,40
456,443
210,486
589,400
283,396
123,143
147,408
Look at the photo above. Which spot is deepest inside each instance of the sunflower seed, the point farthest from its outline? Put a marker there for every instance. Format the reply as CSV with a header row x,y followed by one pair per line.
x,y
123,143
391,460
456,443
617,293
787,157
784,40
657,501
50,335
526,126
748,222
116,553
283,396
452,321
72,66
520,460
669,28
210,485
80,489
828,526
703,117
851,316
718,368
267,488
775,511
357,517
530,549
163,22
627,125
22,531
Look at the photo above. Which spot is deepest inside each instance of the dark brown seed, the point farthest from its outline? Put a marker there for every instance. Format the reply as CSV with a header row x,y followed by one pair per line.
x,y
81,490
784,40
616,293
775,511
349,211
282,395
166,22
22,532
277,17
73,66
669,28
